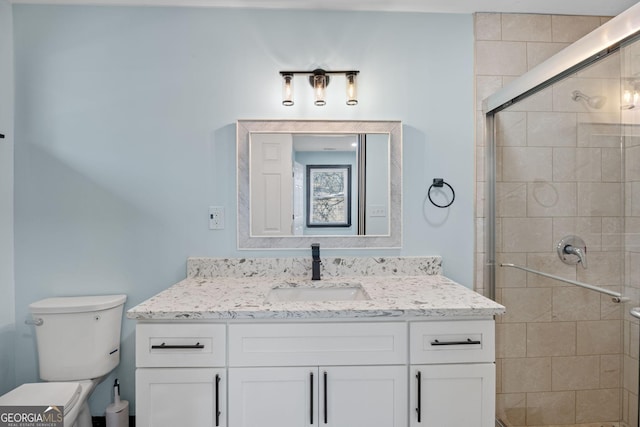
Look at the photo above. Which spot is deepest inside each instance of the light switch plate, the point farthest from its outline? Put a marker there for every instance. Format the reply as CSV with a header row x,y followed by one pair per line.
x,y
377,211
216,218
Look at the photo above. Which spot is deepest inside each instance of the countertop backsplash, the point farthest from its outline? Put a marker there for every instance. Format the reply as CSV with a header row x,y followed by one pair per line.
x,y
201,267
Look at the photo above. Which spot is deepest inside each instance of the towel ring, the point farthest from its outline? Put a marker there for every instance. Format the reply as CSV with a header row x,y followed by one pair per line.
x,y
439,183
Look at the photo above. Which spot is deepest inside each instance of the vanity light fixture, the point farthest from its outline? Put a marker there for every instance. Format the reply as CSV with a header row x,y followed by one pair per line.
x,y
319,80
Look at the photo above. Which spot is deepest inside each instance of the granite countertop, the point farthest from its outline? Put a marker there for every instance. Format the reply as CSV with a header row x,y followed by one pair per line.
x,y
220,298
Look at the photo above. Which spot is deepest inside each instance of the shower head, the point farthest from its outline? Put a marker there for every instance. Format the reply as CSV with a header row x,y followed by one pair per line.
x,y
596,102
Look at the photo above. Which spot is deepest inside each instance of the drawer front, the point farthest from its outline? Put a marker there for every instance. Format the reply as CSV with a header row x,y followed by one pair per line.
x,y
317,344
471,341
175,345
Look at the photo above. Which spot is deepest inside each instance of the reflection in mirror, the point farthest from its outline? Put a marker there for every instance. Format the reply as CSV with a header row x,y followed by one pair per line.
x,y
334,182
307,184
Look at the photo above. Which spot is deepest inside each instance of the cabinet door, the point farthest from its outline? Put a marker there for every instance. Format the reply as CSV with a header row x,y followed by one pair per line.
x,y
371,396
169,397
273,397
453,395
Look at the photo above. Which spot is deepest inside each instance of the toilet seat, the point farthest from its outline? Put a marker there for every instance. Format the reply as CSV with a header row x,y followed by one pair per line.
x,y
64,394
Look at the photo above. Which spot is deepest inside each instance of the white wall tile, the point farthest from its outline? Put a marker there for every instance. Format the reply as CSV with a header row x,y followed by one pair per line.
x,y
551,199
537,52
526,234
496,58
551,129
488,26
599,199
577,164
524,164
526,27
566,28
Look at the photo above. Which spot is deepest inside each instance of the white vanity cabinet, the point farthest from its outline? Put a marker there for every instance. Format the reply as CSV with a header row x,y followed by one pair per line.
x,y
308,374
181,375
276,396
453,373
399,373
332,396
170,397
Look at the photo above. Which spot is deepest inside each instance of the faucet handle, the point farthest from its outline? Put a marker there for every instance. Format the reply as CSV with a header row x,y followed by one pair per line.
x,y
315,250
315,264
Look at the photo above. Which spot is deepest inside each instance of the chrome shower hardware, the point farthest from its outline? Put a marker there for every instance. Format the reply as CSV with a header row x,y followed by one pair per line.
x,y
572,250
596,102
617,297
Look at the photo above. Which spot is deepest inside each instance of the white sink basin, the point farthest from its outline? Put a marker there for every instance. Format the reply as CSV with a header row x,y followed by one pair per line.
x,y
319,292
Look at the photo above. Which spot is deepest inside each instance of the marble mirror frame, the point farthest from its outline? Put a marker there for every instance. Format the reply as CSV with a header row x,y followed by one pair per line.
x,y
246,127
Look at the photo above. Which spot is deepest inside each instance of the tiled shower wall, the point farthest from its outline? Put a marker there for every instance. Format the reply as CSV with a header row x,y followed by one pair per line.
x,y
559,347
507,46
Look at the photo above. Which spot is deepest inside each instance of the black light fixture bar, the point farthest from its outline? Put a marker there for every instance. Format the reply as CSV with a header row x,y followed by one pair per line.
x,y
282,73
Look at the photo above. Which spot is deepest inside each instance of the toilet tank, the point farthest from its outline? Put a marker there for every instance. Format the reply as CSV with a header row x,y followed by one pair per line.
x,y
78,337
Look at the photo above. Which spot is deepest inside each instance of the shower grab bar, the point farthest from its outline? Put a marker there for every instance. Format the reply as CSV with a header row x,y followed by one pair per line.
x,y
635,312
616,296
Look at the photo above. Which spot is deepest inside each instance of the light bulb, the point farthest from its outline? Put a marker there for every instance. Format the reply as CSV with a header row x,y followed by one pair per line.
x,y
287,90
319,85
352,89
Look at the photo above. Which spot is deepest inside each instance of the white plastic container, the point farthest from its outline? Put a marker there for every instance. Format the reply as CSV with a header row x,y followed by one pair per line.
x,y
117,414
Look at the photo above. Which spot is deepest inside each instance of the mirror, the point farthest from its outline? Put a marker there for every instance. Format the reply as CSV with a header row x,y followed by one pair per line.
x,y
337,183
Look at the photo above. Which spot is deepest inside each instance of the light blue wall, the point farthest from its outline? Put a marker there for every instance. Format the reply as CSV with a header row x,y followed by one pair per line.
x,y
125,135
7,290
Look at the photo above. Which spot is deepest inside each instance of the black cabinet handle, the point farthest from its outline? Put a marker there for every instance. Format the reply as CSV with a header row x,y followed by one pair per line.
x,y
469,341
311,398
1,136
325,397
171,347
419,396
217,400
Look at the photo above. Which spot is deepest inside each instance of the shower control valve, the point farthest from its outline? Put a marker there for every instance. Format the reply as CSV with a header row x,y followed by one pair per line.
x,y
572,250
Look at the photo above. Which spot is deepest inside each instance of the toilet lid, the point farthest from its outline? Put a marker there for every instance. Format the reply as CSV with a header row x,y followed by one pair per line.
x,y
44,394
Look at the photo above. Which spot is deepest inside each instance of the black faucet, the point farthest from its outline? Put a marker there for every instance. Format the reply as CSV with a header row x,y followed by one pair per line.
x,y
315,265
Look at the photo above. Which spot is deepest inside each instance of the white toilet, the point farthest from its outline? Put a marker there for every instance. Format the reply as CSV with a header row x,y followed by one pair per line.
x,y
78,345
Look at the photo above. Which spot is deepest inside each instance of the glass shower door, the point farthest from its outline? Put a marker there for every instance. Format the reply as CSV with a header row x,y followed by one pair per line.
x,y
559,173
630,118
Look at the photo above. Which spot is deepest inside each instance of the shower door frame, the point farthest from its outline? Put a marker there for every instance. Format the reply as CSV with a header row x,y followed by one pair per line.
x,y
598,43
603,41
